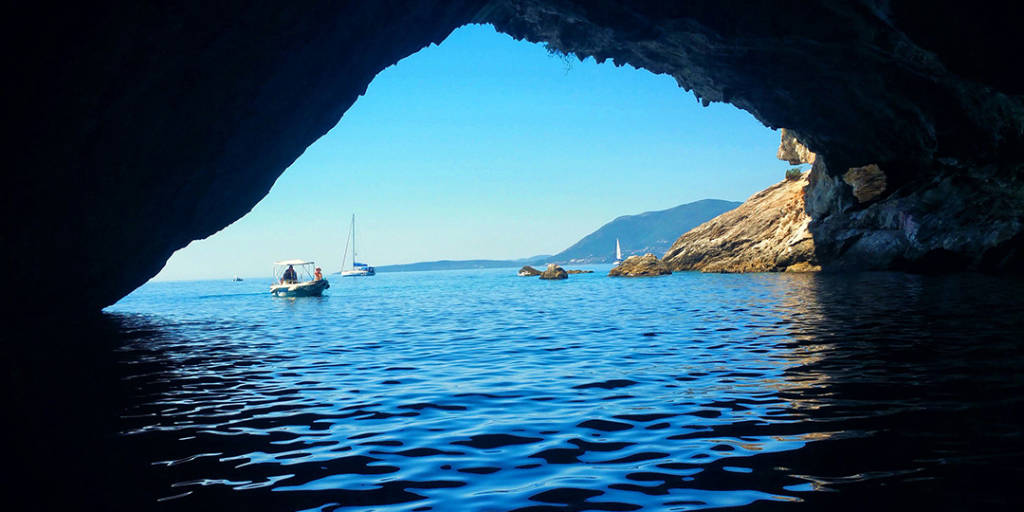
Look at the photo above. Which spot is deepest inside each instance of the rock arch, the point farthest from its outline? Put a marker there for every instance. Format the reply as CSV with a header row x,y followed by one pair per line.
x,y
140,128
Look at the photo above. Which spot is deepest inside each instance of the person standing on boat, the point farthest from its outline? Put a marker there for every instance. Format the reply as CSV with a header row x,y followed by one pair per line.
x,y
317,275
289,275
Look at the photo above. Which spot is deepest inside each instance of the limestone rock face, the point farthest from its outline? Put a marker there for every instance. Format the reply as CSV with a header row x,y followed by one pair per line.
x,y
647,265
792,151
554,272
949,222
868,182
767,233
528,271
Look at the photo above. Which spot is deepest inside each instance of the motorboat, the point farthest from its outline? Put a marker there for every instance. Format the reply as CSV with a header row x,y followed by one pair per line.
x,y
358,269
295,278
236,279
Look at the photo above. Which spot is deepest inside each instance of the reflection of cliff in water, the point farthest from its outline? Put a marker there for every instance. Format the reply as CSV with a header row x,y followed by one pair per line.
x,y
886,388
919,379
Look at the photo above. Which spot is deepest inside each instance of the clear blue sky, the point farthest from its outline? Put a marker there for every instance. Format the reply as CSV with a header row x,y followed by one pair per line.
x,y
487,147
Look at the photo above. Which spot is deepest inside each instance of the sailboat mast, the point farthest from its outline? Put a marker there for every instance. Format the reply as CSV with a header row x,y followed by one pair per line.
x,y
344,256
353,240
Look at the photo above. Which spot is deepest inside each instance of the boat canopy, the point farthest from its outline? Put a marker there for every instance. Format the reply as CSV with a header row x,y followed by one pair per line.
x,y
293,262
357,264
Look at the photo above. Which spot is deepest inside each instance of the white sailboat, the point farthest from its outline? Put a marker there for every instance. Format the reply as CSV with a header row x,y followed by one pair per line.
x,y
618,253
358,269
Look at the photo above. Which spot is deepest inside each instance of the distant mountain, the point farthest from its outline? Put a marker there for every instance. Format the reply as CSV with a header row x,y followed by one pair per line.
x,y
652,232
638,234
460,264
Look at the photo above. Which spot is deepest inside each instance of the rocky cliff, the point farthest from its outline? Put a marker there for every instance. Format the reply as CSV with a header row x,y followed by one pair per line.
x,y
767,233
139,127
855,221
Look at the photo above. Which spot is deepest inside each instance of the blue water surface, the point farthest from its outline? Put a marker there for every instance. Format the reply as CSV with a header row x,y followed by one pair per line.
x,y
481,390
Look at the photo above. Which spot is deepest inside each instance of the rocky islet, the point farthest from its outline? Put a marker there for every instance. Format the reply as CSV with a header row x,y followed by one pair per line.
x,y
528,271
554,272
647,265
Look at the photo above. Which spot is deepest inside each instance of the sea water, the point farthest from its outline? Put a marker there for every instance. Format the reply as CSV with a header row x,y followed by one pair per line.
x,y
481,390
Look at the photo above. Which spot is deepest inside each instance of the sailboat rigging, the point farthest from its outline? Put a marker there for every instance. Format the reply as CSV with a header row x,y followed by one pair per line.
x,y
358,269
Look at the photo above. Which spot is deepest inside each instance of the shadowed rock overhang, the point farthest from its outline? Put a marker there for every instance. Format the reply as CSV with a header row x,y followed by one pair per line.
x,y
139,128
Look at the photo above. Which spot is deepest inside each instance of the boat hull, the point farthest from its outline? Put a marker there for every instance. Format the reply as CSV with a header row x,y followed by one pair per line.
x,y
306,289
357,273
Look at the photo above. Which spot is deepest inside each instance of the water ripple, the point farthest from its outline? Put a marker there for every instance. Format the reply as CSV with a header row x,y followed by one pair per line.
x,y
484,391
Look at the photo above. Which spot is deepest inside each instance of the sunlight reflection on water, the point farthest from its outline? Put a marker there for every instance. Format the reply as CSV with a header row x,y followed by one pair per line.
x,y
479,390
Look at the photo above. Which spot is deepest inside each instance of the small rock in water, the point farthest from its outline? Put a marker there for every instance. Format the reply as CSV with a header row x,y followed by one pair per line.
x,y
574,271
640,266
528,271
554,272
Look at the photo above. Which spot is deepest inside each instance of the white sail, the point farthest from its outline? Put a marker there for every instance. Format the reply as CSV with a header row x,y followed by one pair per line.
x,y
344,256
358,269
618,250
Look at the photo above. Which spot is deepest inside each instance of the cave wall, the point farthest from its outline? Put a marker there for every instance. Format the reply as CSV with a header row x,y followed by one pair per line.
x,y
142,127
947,220
856,82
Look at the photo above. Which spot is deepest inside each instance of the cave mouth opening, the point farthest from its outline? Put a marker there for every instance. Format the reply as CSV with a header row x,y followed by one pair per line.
x,y
488,147
145,128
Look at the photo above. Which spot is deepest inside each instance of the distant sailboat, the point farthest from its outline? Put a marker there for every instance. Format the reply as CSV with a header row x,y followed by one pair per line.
x,y
358,269
618,253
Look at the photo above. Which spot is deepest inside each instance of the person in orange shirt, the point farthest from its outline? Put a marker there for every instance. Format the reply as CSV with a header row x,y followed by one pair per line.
x,y
317,275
